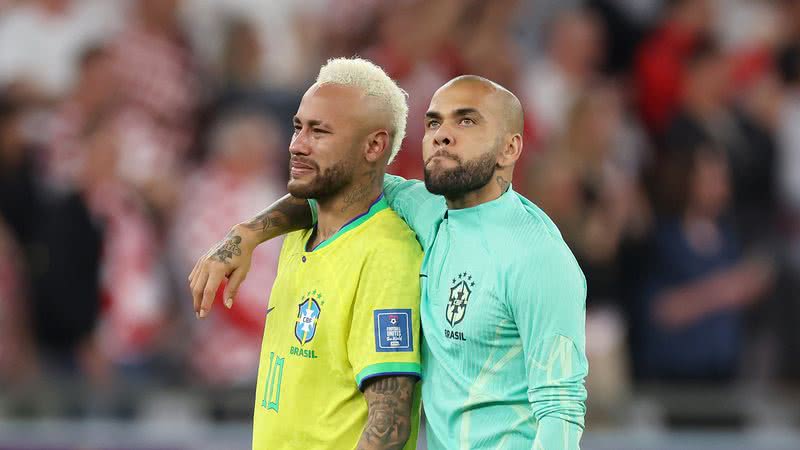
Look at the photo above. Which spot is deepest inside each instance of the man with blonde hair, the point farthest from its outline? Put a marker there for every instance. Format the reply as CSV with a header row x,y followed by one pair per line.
x,y
340,353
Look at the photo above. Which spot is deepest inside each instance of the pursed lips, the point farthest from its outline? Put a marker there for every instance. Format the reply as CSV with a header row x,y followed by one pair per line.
x,y
299,167
297,164
443,154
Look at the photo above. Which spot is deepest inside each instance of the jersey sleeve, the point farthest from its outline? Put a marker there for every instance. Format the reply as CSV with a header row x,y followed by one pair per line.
x,y
411,200
384,333
549,307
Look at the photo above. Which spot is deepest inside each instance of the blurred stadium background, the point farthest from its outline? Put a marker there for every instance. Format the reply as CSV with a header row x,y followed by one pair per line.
x,y
663,137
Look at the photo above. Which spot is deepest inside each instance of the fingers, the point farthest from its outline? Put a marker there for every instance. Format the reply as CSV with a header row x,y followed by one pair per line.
x,y
232,288
194,270
198,286
209,291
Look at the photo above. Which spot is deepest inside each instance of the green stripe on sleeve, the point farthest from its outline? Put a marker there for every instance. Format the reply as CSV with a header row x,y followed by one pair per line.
x,y
393,368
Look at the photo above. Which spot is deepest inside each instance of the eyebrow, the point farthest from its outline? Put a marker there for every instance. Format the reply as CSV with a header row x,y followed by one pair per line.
x,y
312,122
433,115
460,112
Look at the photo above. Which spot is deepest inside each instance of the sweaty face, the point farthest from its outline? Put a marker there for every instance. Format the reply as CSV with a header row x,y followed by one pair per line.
x,y
325,143
462,139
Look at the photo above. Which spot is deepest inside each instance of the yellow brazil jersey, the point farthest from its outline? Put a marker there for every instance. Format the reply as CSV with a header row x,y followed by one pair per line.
x,y
338,315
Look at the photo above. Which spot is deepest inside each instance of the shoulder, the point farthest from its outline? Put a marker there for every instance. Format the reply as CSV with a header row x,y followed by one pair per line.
x,y
387,231
527,227
294,240
402,192
533,241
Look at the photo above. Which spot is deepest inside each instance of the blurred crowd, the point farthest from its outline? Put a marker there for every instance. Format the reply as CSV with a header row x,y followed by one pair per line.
x,y
662,137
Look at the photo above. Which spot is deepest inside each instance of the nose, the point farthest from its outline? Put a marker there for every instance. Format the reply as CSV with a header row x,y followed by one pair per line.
x,y
443,137
299,144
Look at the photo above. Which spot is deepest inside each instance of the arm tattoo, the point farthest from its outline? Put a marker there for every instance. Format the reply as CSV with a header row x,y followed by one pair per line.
x,y
287,214
389,421
503,183
228,248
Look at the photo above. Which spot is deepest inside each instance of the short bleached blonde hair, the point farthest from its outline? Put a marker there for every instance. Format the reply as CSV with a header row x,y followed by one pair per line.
x,y
367,76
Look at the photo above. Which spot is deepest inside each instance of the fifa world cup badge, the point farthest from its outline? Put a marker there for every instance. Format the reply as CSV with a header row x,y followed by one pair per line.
x,y
393,330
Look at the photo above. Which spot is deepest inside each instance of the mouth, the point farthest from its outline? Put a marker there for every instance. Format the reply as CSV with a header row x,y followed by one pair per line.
x,y
442,156
299,168
440,160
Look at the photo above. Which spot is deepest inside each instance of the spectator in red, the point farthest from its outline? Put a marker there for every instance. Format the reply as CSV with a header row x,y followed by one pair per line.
x,y
240,177
572,61
93,93
660,60
132,280
156,71
708,112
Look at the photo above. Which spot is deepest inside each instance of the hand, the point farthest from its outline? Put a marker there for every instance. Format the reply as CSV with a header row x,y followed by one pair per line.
x,y
231,258
674,310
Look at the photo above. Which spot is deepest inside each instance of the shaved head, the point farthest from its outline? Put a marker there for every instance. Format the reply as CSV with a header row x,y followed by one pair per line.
x,y
504,100
473,138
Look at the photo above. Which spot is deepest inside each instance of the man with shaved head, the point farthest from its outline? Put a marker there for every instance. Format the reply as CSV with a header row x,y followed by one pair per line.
x,y
503,299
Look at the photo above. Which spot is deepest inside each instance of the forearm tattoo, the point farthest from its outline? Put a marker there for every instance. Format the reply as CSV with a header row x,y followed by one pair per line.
x,y
389,421
285,215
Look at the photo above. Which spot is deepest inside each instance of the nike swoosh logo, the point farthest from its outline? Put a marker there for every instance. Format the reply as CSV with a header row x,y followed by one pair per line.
x,y
422,275
270,310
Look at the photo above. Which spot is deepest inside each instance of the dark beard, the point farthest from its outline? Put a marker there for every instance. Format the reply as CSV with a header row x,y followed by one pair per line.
x,y
327,184
465,178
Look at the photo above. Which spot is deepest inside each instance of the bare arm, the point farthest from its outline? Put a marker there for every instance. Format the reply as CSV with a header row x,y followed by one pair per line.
x,y
731,288
286,214
231,256
389,421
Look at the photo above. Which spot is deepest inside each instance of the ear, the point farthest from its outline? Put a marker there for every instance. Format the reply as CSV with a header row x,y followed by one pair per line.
x,y
511,151
377,146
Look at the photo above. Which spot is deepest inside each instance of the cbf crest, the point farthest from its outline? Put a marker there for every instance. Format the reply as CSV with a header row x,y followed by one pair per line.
x,y
307,318
460,293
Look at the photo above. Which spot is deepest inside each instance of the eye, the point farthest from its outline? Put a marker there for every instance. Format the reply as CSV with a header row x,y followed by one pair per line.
x,y
320,131
432,124
297,128
466,121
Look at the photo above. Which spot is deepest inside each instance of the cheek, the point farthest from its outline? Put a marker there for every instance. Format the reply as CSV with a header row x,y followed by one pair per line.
x,y
427,147
320,148
327,152
474,148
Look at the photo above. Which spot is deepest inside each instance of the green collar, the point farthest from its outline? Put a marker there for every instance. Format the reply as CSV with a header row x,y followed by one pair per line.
x,y
378,205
